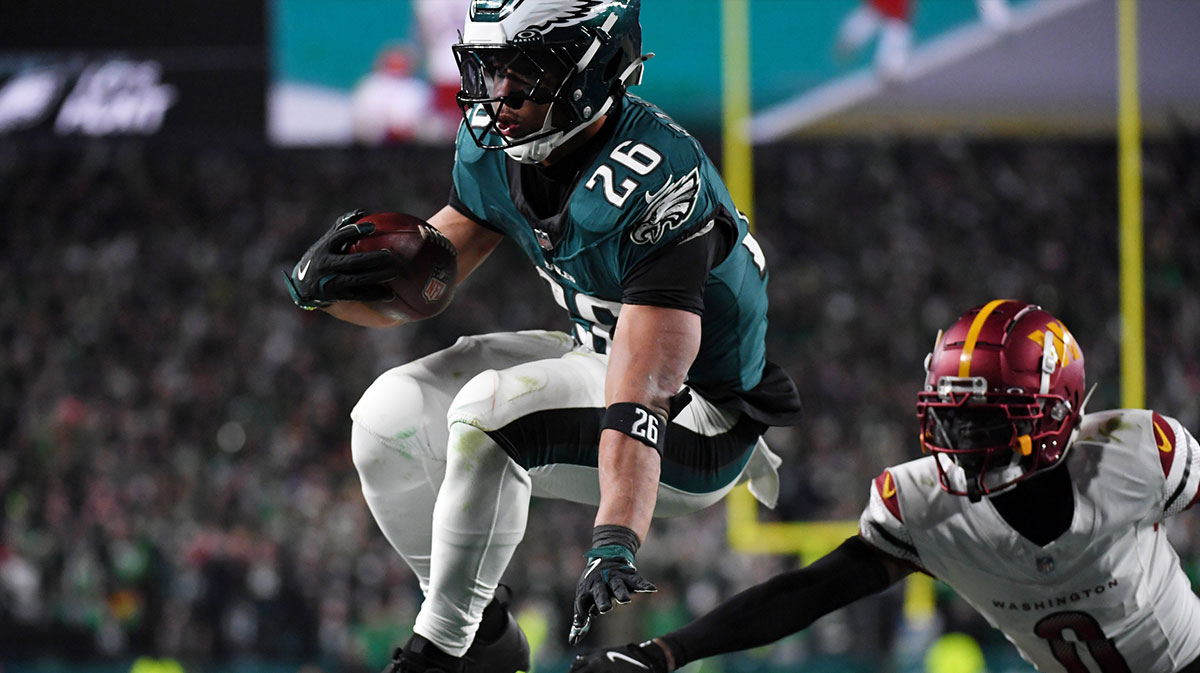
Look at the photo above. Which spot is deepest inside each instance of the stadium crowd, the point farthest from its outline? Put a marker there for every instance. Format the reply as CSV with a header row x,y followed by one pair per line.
x,y
175,478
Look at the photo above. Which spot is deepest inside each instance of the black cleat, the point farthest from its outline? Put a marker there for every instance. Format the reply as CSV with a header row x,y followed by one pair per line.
x,y
421,656
506,653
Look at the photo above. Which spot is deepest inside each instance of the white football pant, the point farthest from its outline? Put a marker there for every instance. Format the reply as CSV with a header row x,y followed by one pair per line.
x,y
453,501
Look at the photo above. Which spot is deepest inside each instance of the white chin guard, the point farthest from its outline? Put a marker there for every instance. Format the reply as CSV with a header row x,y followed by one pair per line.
x,y
536,151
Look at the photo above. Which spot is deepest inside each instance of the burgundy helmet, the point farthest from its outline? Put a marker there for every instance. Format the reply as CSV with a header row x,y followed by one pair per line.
x,y
1004,389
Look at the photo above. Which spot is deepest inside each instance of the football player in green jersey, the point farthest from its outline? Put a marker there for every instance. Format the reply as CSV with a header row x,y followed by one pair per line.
x,y
655,406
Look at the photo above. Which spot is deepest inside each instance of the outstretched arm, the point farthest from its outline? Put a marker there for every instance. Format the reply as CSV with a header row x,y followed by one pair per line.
x,y
656,340
787,603
762,614
652,350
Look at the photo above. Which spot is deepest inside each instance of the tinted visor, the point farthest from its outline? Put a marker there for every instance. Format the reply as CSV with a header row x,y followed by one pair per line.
x,y
510,74
971,434
971,428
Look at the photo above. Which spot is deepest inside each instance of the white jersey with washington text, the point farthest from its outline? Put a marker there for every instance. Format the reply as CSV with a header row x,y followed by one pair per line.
x,y
1108,595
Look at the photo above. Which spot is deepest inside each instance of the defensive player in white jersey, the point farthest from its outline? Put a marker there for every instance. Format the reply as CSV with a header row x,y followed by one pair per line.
x,y
1050,522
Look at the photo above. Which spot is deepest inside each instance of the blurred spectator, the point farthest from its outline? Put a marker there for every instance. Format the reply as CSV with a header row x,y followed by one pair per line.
x,y
439,23
391,103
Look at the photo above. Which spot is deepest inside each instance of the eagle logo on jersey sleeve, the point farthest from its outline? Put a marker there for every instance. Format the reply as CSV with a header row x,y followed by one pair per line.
x,y
670,207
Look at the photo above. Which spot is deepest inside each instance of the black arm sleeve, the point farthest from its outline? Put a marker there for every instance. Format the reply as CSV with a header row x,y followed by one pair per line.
x,y
675,277
784,604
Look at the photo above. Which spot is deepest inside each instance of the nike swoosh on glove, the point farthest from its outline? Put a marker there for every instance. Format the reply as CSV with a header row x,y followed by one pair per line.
x,y
647,657
328,273
610,576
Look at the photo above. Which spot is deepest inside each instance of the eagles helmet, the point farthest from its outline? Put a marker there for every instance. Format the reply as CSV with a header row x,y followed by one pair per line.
x,y
1003,396
575,55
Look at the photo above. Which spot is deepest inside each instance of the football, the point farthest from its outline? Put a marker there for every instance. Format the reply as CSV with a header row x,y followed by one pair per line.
x,y
426,286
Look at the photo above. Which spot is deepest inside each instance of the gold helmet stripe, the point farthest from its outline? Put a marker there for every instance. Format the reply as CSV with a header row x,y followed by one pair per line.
x,y
968,349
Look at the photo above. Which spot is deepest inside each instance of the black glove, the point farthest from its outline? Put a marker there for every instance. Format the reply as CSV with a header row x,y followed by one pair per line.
x,y
610,575
326,273
631,658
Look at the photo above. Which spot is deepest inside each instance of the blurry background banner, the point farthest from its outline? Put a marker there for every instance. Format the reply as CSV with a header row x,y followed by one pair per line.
x,y
328,72
797,47
132,68
855,66
1021,68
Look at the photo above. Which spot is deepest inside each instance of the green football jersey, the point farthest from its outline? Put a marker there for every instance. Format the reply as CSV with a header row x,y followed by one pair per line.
x,y
647,188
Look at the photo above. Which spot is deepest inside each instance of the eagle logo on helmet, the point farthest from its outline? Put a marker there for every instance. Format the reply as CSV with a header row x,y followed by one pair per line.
x,y
583,54
578,12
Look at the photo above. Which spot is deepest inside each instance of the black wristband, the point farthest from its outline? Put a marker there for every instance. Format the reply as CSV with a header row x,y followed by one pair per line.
x,y
637,421
611,533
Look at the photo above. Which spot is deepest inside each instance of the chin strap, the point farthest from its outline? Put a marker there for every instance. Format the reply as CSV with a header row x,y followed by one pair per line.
x,y
538,150
1087,398
1075,430
626,76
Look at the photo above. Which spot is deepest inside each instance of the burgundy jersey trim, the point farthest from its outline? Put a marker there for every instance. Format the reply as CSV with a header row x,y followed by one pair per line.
x,y
1164,439
885,484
